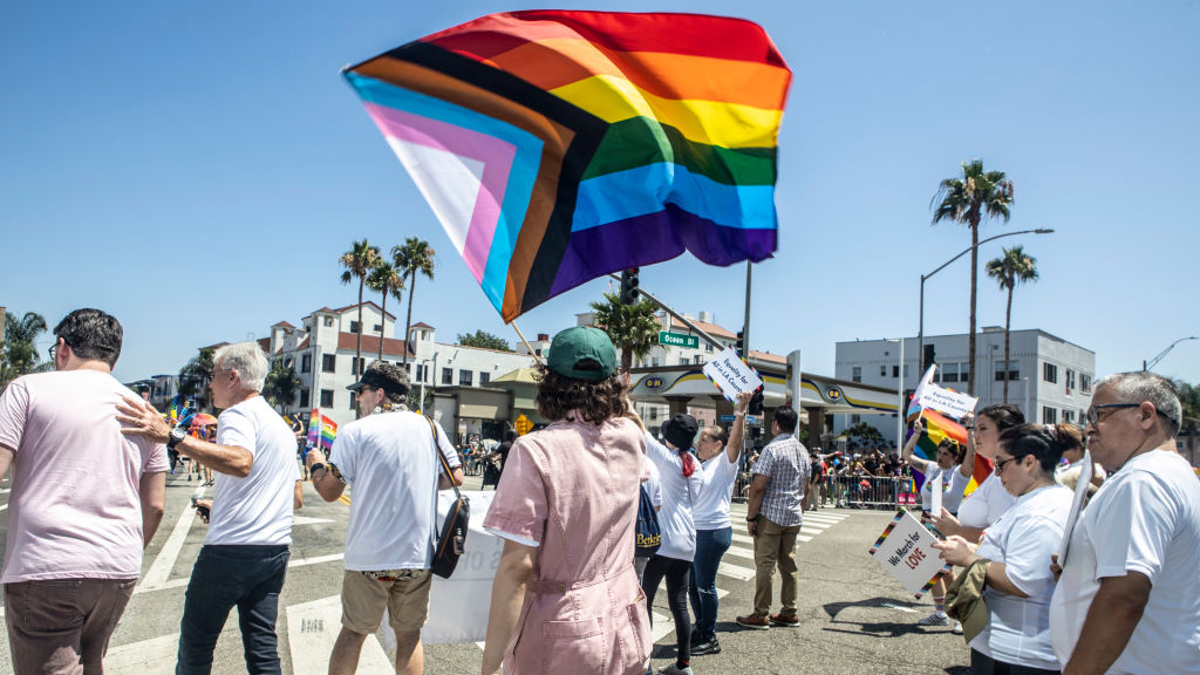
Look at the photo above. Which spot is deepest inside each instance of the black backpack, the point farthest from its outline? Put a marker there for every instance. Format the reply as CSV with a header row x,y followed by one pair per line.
x,y
647,536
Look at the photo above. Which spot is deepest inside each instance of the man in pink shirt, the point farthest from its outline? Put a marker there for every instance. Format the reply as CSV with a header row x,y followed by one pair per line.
x,y
85,502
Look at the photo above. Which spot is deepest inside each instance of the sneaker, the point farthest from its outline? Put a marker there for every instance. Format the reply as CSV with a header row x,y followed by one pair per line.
x,y
672,669
785,621
754,621
935,619
710,646
957,628
697,637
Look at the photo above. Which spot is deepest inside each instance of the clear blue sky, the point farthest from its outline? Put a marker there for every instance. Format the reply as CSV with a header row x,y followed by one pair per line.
x,y
197,168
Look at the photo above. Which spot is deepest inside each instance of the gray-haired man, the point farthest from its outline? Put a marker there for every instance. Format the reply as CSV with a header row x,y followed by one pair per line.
x,y
245,554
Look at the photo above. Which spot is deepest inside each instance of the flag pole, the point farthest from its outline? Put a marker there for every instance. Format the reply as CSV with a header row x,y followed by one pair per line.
x,y
527,345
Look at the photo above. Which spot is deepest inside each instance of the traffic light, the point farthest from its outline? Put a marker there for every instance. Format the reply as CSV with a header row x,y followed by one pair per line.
x,y
756,402
740,345
629,286
928,359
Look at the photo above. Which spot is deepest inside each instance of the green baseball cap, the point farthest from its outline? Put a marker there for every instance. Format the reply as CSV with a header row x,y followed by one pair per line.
x,y
582,353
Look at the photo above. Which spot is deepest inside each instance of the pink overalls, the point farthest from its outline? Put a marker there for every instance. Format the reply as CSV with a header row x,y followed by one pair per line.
x,y
573,489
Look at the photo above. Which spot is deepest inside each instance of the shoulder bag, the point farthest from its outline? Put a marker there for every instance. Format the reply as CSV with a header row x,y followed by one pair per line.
x,y
453,535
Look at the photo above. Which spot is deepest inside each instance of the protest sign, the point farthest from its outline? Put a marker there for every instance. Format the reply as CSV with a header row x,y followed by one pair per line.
x,y
731,374
906,550
914,408
459,610
953,403
1081,490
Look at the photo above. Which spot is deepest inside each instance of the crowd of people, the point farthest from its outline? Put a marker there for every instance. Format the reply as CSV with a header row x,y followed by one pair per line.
x,y
568,594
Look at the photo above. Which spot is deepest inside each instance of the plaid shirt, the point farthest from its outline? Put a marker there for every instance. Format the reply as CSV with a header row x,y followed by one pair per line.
x,y
785,462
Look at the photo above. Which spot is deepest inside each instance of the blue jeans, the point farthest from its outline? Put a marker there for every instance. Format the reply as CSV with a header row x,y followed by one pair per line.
x,y
249,577
710,547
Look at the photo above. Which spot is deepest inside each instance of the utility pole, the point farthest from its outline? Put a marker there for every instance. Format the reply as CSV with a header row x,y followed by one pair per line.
x,y
746,320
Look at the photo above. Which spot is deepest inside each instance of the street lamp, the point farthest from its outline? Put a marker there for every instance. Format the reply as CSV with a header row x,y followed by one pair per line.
x,y
925,277
900,398
1154,361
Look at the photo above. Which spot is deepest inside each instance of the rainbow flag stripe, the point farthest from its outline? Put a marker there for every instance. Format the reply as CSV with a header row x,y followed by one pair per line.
x,y
559,146
940,427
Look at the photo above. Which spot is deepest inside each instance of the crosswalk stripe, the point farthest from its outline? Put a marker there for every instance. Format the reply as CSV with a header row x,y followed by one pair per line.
x,y
160,569
740,552
155,656
313,627
735,571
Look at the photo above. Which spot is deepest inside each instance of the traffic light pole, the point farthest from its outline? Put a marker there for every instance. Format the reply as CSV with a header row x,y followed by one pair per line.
x,y
687,322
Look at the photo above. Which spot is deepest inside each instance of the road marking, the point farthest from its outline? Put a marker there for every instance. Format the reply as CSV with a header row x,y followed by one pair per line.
x,y
313,627
735,571
160,569
303,520
148,657
302,562
740,552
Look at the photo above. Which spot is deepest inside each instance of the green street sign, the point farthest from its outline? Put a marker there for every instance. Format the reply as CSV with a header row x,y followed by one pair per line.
x,y
677,340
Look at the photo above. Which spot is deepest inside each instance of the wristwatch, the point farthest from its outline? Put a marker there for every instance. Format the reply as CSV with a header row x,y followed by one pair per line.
x,y
175,437
316,465
752,520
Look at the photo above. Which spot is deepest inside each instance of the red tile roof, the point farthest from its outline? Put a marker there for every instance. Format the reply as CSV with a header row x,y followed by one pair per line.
x,y
765,356
421,324
365,303
265,343
283,324
710,328
370,344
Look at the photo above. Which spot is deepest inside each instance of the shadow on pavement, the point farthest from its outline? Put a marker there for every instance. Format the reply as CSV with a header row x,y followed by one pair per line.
x,y
834,608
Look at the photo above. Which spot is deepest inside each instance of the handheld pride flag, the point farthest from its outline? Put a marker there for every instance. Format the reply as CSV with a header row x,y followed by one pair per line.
x,y
559,146
321,431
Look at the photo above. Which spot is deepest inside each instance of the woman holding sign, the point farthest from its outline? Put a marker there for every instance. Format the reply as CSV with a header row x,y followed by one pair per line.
x,y
944,476
990,500
1018,582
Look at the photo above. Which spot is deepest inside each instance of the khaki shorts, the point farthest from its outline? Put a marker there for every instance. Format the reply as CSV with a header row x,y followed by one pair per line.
x,y
363,600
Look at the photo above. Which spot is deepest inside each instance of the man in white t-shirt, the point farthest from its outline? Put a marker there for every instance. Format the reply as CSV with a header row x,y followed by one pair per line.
x,y
391,457
257,486
85,501
1128,600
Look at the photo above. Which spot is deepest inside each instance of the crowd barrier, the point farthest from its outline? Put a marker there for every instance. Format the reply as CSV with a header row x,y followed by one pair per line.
x,y
876,492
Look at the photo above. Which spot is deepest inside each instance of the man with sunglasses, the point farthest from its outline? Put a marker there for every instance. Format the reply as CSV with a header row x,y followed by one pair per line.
x,y
1127,600
86,500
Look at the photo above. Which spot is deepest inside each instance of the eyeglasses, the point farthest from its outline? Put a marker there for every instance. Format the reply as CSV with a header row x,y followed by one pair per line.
x,y
1094,415
1000,464
53,350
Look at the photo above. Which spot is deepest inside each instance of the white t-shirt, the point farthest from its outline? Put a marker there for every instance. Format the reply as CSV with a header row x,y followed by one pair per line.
x,y
711,509
75,510
679,497
986,504
952,483
1146,519
1024,538
653,484
255,510
389,461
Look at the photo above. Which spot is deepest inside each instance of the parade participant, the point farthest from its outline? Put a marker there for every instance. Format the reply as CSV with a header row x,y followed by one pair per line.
x,y
714,530
682,484
990,500
943,475
389,455
566,598
774,516
1068,474
86,500
244,558
1127,600
1018,582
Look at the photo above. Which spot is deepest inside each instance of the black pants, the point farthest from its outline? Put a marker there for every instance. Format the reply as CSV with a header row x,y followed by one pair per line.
x,y
981,664
676,572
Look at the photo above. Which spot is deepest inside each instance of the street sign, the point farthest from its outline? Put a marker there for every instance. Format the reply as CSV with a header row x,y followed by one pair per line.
x,y
523,425
677,340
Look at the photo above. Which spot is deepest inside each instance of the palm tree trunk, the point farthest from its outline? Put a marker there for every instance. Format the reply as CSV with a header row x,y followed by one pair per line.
x,y
412,290
1007,320
971,335
382,322
358,343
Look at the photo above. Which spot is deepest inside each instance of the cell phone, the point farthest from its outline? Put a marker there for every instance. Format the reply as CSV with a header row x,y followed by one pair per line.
x,y
201,509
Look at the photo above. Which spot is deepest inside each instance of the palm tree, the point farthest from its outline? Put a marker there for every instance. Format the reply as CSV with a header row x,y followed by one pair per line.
x,y
415,255
195,376
281,385
1013,268
632,328
18,351
386,279
358,262
978,195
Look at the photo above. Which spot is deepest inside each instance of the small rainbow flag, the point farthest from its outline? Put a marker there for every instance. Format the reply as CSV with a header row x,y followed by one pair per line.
x,y
559,146
321,430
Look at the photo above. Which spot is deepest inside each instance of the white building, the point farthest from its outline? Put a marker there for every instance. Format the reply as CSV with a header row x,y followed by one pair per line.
x,y
322,348
1050,379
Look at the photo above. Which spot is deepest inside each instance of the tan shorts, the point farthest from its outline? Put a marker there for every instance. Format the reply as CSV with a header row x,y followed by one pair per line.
x,y
363,600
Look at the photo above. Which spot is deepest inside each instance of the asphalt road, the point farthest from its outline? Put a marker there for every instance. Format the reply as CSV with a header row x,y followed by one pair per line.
x,y
854,617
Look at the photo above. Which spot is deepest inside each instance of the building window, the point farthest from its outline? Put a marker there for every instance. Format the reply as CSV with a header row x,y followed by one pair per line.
x,y
326,398
855,419
708,347
948,372
360,367
353,404
328,363
378,328
697,360
447,376
484,378
653,412
1049,415
883,371
303,398
464,378
895,371
328,322
1070,380
654,362
1050,374
857,376
1069,416
1014,371
353,326
1085,383
306,363
420,373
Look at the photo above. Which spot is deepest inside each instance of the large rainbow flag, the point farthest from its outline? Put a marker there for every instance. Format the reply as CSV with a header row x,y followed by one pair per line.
x,y
559,146
938,427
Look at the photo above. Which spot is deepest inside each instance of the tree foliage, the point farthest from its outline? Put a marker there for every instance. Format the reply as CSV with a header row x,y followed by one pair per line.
x,y
196,373
632,328
281,385
386,279
484,339
414,256
1189,397
19,353
359,261
1010,270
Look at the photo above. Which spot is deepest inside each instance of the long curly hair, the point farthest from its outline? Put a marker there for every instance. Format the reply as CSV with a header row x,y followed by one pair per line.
x,y
557,396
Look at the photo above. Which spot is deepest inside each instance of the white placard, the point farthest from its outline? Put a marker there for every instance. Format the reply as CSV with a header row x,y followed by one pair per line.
x,y
731,374
935,493
926,382
458,606
952,403
1081,490
906,550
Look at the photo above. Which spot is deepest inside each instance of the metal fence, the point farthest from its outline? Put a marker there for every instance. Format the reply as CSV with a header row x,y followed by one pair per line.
x,y
876,492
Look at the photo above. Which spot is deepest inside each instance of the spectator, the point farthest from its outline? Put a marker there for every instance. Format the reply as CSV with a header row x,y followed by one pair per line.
x,y
1068,474
990,500
86,500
